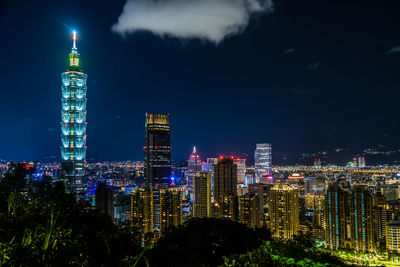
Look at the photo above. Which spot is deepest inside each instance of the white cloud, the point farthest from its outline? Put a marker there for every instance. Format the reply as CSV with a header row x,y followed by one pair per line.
x,y
211,20
393,50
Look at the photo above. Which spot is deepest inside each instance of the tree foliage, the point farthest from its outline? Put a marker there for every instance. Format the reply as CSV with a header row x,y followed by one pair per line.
x,y
204,242
298,252
41,225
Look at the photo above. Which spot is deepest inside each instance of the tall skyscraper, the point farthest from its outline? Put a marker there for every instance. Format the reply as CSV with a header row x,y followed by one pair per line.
x,y
157,156
202,195
194,166
263,162
170,208
363,223
142,209
73,122
350,219
284,211
105,199
225,184
337,213
209,167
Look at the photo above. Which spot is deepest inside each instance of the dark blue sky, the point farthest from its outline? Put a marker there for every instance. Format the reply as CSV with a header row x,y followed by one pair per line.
x,y
335,85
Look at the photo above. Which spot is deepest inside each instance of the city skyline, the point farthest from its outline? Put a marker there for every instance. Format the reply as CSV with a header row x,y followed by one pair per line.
x,y
289,112
278,84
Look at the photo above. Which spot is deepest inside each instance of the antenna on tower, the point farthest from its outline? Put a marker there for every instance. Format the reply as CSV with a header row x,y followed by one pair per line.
x,y
74,38
194,149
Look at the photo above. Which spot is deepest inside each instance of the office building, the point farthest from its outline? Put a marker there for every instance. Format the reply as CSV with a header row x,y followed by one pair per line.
x,y
73,122
202,195
157,157
104,198
194,166
170,208
263,162
284,211
225,184
249,210
142,210
241,170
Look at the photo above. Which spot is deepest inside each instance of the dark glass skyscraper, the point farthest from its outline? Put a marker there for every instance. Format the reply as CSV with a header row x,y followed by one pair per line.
x,y
73,122
225,193
157,151
157,157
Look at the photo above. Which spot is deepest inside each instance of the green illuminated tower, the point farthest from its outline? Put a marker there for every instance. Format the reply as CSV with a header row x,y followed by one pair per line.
x,y
73,122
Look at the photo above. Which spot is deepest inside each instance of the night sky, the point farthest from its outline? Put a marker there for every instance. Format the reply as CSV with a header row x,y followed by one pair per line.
x,y
307,76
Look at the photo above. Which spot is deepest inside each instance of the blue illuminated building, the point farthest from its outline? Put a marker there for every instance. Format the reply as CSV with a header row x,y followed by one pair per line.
x,y
73,122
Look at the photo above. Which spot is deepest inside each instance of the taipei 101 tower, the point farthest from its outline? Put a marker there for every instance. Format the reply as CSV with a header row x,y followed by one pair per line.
x,y
73,122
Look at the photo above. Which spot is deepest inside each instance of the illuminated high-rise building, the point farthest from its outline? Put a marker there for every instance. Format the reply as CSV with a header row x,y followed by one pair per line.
x,y
284,211
194,166
249,210
350,219
202,195
170,208
241,170
363,223
337,214
225,184
142,209
157,157
263,162
73,122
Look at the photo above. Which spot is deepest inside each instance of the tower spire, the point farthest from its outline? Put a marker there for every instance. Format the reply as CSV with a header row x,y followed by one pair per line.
x,y
74,63
194,149
74,38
